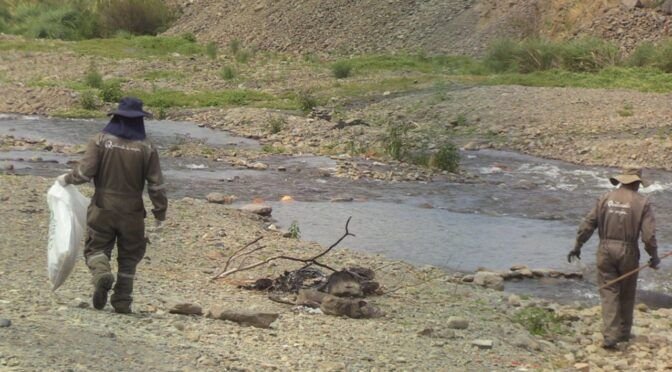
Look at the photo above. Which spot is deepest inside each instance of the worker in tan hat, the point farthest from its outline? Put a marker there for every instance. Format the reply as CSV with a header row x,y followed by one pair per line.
x,y
620,216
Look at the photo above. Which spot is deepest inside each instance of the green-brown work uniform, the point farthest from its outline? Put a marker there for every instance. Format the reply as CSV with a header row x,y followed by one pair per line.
x,y
119,169
619,216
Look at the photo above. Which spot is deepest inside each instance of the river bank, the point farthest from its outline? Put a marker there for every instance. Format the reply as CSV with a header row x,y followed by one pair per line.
x,y
415,333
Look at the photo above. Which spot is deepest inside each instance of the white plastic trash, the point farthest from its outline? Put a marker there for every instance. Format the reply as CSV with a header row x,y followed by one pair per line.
x,y
67,224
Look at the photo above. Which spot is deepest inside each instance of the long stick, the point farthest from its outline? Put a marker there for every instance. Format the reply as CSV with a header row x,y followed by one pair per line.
x,y
633,272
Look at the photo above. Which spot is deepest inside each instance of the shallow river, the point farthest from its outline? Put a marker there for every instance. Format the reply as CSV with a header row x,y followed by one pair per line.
x,y
520,209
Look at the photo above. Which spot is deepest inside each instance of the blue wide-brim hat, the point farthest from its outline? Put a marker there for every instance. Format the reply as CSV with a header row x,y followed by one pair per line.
x,y
130,107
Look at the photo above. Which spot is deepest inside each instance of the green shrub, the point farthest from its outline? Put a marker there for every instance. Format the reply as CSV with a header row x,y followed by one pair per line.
x,y
644,55
536,55
111,91
234,46
294,230
188,36
88,100
394,141
447,158
589,55
93,78
68,20
211,50
306,101
228,73
140,17
664,57
341,69
501,56
243,56
276,124
538,321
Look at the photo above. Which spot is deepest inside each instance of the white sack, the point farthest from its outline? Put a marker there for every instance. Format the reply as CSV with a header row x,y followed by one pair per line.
x,y
67,224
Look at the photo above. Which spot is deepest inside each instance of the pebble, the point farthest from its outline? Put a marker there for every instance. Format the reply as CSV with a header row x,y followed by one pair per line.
x,y
483,344
4,323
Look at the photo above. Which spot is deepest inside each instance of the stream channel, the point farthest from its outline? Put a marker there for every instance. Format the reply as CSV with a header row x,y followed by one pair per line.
x,y
517,210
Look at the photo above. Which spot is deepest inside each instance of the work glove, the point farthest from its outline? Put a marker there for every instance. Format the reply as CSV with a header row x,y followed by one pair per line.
x,y
61,180
574,253
654,262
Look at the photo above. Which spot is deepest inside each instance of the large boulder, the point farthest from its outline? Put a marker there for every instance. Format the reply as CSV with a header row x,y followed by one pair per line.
x,y
260,209
490,280
667,7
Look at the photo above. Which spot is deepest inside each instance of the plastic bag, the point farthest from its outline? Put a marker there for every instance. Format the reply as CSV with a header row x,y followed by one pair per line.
x,y
67,224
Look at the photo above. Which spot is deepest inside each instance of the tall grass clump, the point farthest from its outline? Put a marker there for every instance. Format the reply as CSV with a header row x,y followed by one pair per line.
x,y
228,73
447,158
341,69
664,56
644,55
111,91
140,17
531,55
88,100
394,140
589,55
51,19
306,100
502,56
211,50
93,78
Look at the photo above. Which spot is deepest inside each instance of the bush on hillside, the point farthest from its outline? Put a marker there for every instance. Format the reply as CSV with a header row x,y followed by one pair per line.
x,y
140,17
589,55
644,55
341,69
68,20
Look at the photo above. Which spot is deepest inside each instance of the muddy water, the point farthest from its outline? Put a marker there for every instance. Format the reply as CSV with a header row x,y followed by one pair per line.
x,y
520,209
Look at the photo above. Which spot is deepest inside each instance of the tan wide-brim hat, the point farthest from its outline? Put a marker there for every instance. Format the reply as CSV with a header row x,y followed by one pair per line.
x,y
628,176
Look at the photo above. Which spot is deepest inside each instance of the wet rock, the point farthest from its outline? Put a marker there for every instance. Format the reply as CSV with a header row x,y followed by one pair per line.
x,y
258,320
518,267
456,322
260,209
483,344
186,308
4,323
352,308
468,279
490,280
219,198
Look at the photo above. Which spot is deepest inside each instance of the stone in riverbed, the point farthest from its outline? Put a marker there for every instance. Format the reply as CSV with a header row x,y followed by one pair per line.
x,y
186,308
219,198
260,209
490,280
259,320
456,322
4,323
483,344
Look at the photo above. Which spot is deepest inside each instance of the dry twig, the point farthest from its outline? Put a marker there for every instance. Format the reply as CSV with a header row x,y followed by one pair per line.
x,y
307,261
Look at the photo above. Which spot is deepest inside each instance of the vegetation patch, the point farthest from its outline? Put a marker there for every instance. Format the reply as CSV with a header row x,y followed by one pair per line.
x,y
172,98
538,321
137,47
78,114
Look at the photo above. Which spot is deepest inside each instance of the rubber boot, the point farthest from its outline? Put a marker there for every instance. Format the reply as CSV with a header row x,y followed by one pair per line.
x,y
122,297
102,279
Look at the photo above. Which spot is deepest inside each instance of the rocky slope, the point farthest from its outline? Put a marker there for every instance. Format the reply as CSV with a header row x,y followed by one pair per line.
x,y
435,26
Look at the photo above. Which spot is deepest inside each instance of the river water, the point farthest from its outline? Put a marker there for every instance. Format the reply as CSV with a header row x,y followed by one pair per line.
x,y
519,210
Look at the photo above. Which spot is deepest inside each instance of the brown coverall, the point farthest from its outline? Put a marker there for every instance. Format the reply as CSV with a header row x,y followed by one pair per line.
x,y
119,169
619,216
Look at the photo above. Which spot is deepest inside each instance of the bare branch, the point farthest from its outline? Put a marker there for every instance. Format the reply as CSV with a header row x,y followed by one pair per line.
x,y
307,261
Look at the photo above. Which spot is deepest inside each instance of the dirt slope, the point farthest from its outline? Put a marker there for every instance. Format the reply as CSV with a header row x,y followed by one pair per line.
x,y
432,26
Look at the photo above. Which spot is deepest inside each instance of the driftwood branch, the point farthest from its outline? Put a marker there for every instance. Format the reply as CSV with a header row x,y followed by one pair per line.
x,y
307,261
